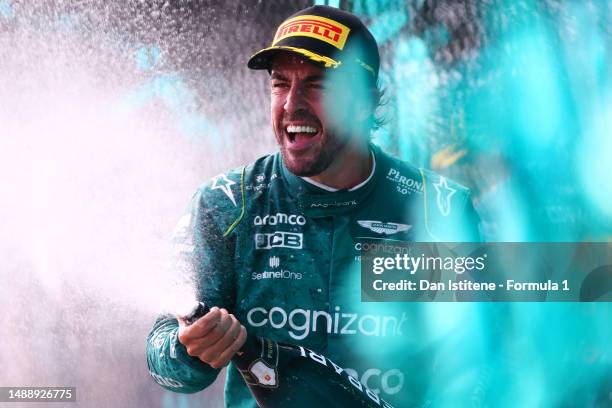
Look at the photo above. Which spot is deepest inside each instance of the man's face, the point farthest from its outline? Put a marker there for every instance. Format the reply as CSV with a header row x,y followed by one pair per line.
x,y
308,136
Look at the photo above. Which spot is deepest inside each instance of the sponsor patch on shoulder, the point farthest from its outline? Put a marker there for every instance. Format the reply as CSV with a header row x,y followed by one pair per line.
x,y
223,183
444,193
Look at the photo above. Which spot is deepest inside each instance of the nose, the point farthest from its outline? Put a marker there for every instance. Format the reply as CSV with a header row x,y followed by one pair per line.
x,y
296,100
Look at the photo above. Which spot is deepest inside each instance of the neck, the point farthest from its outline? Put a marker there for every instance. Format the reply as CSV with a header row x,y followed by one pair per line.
x,y
351,167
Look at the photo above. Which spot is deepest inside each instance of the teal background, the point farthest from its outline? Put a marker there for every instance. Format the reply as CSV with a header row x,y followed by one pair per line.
x,y
514,100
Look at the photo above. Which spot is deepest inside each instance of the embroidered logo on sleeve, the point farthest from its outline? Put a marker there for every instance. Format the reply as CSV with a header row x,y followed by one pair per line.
x,y
443,197
224,184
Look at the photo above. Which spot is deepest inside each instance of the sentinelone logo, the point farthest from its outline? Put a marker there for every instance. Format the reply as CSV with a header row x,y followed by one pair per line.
x,y
320,28
302,321
282,274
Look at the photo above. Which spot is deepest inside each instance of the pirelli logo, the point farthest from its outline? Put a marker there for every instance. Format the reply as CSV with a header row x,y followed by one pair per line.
x,y
317,27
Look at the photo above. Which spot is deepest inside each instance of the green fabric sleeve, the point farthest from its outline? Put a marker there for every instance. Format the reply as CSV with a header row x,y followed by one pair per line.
x,y
170,365
206,257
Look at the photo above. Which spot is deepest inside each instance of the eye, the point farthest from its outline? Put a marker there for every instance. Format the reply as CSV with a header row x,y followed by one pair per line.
x,y
279,85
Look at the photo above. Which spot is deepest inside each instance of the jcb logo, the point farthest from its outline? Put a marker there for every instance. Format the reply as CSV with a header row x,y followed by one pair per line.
x,y
279,239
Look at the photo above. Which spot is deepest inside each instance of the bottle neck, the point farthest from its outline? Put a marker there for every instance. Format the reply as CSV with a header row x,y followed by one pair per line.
x,y
255,348
257,362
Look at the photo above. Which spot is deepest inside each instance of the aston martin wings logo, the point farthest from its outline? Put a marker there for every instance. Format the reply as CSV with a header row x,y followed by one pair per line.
x,y
387,228
224,184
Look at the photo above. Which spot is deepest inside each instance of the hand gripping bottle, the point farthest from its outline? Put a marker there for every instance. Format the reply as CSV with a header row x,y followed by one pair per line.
x,y
284,375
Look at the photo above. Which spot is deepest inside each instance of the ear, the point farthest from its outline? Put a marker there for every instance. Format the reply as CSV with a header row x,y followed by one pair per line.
x,y
363,104
362,111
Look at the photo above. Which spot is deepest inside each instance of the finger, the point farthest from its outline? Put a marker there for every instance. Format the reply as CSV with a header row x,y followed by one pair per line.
x,y
201,327
182,326
217,333
207,322
196,346
236,345
201,346
213,352
232,343
205,342
242,336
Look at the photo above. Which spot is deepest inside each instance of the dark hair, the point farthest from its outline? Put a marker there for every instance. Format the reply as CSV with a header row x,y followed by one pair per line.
x,y
372,90
379,102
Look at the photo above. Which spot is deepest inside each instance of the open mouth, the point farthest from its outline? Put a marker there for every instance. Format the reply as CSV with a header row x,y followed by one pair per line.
x,y
301,136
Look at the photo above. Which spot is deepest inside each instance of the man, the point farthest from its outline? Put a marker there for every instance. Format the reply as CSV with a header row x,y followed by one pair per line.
x,y
275,245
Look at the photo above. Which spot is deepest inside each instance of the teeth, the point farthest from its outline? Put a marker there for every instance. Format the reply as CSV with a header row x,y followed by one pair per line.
x,y
301,129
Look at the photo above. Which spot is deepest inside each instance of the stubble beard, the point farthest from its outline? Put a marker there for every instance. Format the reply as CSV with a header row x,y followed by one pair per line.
x,y
316,161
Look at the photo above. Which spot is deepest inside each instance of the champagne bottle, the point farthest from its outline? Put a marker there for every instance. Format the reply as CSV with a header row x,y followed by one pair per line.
x,y
284,375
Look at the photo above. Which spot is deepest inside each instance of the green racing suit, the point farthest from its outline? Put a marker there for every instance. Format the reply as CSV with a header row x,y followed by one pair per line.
x,y
283,255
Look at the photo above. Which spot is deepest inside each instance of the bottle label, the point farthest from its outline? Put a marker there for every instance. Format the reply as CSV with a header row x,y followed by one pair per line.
x,y
263,371
265,374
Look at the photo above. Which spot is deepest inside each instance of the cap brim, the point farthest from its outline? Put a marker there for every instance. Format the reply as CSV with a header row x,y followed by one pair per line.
x,y
263,59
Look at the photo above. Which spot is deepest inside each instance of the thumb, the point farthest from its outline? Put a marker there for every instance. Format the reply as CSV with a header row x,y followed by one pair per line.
x,y
181,321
